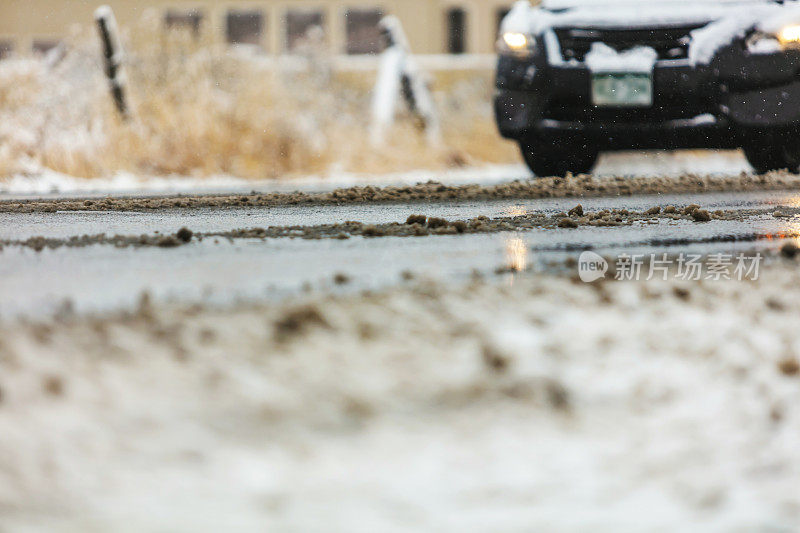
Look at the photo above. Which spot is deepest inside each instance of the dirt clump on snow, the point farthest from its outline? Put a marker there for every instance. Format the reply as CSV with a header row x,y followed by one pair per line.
x,y
576,211
567,223
298,321
416,219
700,215
372,230
789,366
184,234
682,293
435,222
53,385
168,241
494,360
790,250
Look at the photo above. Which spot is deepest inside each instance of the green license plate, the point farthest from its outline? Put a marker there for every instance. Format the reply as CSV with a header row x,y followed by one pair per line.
x,y
622,90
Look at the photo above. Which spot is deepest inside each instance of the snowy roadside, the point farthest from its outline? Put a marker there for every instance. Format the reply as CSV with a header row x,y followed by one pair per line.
x,y
535,403
48,183
653,163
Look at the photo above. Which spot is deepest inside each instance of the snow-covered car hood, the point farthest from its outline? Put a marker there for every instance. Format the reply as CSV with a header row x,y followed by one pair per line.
x,y
724,20
629,14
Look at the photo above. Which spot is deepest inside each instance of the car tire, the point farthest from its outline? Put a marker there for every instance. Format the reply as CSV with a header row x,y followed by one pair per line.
x,y
557,158
778,155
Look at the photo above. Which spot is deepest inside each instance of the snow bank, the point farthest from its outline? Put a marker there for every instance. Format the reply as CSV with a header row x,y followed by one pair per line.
x,y
648,407
50,183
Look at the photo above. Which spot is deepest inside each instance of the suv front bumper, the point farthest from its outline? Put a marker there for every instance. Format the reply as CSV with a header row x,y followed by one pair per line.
x,y
694,107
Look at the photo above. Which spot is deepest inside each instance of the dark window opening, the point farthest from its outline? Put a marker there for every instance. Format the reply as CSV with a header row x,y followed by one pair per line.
x,y
456,30
304,30
244,27
501,14
6,49
363,31
187,20
42,46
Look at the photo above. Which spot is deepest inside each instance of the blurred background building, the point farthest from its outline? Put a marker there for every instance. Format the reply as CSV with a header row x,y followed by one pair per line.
x,y
273,26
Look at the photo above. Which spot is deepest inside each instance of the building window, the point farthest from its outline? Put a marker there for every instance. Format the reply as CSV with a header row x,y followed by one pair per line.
x,y
42,46
363,31
6,49
244,27
456,30
501,14
184,20
304,29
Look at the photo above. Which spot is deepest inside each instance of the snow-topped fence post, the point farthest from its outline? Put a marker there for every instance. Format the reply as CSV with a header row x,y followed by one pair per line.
x,y
112,55
398,74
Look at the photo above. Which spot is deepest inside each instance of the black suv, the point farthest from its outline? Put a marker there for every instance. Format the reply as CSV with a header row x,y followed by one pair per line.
x,y
576,77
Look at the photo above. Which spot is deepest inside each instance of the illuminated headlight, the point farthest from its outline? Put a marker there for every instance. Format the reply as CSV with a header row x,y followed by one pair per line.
x,y
515,43
789,36
770,42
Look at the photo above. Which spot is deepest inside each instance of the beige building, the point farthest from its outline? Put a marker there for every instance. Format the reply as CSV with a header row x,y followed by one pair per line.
x,y
275,26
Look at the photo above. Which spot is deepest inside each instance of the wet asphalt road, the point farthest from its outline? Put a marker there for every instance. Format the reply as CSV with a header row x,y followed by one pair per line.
x,y
102,278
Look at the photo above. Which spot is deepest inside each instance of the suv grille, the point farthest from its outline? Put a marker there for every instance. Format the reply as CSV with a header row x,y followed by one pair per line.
x,y
670,43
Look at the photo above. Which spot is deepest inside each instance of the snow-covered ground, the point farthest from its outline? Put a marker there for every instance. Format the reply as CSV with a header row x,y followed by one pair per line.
x,y
648,163
535,403
53,183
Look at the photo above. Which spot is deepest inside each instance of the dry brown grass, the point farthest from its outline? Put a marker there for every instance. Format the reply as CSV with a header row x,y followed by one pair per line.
x,y
200,109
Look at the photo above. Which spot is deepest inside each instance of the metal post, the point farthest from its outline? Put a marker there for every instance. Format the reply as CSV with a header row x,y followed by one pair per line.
x,y
398,72
113,56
